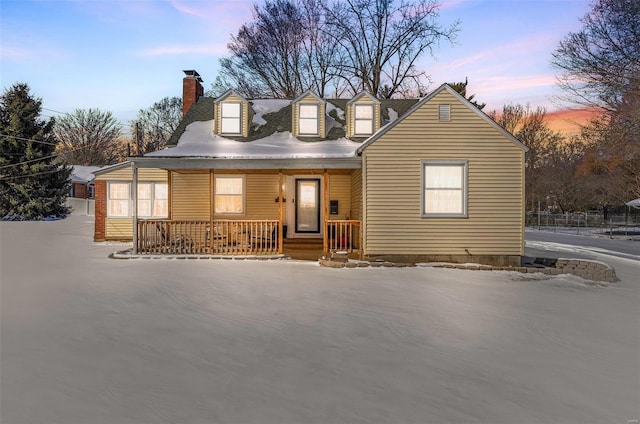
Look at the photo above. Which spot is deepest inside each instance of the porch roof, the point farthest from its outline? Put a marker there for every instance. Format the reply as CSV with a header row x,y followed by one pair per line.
x,y
199,147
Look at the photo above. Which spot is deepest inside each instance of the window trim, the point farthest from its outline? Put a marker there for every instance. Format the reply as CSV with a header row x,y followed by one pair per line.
x,y
465,188
244,193
317,119
153,185
370,120
109,199
130,200
238,118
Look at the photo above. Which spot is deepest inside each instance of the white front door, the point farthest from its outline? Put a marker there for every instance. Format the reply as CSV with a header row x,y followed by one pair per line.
x,y
307,205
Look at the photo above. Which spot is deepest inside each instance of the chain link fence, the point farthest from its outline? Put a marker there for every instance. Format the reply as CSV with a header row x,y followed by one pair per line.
x,y
613,220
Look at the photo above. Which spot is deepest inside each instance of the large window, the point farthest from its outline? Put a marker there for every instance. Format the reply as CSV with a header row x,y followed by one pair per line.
x,y
230,118
444,188
363,115
153,200
308,120
229,194
118,200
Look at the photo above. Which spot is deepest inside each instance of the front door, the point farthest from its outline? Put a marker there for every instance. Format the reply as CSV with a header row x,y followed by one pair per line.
x,y
307,205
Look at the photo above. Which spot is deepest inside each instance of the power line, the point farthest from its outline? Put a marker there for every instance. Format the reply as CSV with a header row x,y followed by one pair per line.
x,y
28,139
28,175
28,161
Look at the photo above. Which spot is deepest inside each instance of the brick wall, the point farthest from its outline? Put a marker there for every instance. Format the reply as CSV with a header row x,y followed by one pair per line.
x,y
100,194
80,191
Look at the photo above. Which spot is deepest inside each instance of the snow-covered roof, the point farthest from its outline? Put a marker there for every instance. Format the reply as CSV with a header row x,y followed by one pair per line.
x,y
83,174
198,140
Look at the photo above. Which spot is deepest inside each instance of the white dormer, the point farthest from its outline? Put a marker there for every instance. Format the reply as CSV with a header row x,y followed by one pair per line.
x,y
363,115
308,115
232,115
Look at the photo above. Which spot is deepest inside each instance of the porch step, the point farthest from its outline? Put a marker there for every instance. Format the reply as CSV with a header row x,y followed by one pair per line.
x,y
303,244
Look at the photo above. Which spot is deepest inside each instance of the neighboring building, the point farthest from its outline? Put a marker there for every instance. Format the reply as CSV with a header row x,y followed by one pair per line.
x,y
431,179
82,181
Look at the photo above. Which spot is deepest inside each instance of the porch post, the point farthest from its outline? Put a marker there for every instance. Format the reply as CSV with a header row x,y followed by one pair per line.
x,y
169,195
211,211
280,213
134,206
325,211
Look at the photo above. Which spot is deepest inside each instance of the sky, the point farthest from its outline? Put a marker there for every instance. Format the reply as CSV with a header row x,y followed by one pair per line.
x,y
123,56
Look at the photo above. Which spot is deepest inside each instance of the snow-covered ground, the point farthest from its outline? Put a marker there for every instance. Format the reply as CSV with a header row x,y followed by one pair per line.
x,y
87,339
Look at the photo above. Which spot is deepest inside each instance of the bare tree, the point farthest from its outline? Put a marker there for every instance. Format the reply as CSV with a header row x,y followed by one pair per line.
x,y
88,137
269,51
345,47
530,127
600,67
382,41
156,124
601,63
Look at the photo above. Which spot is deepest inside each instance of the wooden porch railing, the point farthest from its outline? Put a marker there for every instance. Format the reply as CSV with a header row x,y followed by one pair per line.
x,y
225,237
343,235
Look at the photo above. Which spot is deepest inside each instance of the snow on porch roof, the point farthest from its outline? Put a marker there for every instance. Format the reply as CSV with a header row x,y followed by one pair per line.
x,y
198,140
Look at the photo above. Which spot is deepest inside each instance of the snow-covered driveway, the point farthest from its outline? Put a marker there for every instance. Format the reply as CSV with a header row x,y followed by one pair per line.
x,y
87,339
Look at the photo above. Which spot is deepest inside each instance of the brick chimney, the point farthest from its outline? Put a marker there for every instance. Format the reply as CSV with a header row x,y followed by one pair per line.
x,y
191,89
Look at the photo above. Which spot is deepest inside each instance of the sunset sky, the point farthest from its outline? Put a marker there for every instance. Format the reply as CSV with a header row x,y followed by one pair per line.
x,y
122,56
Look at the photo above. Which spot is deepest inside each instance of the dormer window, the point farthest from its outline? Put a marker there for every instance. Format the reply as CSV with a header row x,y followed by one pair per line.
x,y
363,119
232,115
231,118
308,119
363,116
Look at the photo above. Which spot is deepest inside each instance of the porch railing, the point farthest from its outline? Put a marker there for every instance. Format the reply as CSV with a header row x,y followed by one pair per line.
x,y
343,235
220,237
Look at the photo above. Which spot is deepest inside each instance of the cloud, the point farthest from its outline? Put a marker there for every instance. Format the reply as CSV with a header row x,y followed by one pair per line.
x,y
17,53
238,10
214,49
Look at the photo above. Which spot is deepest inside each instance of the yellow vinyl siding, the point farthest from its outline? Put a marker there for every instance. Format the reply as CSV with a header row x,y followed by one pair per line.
x,y
125,174
261,191
119,228
190,196
394,187
340,190
356,194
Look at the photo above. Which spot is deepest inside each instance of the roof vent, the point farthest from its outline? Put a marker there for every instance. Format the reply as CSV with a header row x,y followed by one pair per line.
x,y
444,112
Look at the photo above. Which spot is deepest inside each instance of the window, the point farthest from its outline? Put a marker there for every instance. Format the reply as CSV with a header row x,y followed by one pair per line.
x,y
153,200
230,122
444,112
308,120
92,191
363,115
118,200
229,194
444,188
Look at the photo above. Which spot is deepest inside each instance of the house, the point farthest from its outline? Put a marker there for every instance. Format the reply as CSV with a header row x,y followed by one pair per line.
x,y
431,179
82,181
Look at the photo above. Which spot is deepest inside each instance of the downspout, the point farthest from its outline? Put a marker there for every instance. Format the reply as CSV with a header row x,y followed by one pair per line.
x,y
280,214
325,211
134,206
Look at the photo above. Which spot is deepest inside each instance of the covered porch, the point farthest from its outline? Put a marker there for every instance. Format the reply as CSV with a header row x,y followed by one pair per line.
x,y
253,208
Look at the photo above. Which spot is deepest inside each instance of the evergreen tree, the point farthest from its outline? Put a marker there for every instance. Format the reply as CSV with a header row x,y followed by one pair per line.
x,y
32,184
461,87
